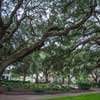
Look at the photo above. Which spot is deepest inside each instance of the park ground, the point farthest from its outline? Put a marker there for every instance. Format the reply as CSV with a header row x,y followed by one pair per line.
x,y
39,97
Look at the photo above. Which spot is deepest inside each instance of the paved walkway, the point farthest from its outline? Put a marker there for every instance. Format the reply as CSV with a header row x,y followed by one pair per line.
x,y
38,97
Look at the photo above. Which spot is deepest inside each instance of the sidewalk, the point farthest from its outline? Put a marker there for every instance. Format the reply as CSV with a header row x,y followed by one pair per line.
x,y
38,97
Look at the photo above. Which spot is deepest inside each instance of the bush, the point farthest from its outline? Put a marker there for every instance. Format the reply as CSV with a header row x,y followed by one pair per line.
x,y
65,87
14,81
8,88
39,85
84,85
68,88
98,84
9,85
55,87
94,84
59,87
1,83
39,89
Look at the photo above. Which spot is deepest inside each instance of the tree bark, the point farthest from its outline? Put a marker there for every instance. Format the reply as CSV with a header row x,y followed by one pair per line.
x,y
95,78
24,76
46,76
2,68
69,79
37,78
21,54
63,80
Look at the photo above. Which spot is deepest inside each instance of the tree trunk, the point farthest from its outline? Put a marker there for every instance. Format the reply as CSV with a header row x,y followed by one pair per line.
x,y
1,72
46,76
24,76
95,78
63,80
24,72
69,80
37,78
2,69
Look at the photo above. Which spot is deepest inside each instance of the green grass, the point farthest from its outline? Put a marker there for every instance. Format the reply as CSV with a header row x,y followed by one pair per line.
x,y
81,97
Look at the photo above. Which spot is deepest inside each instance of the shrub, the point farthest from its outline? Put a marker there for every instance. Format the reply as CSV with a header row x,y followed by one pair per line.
x,y
55,86
98,84
14,81
59,87
68,88
84,85
39,85
94,84
8,87
1,83
65,87
39,89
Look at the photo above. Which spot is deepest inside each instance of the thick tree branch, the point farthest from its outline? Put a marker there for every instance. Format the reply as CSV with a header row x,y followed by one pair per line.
x,y
85,42
10,34
75,26
25,51
1,1
21,53
14,12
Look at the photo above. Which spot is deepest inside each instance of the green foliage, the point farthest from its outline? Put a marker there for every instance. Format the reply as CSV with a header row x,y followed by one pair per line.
x,y
55,86
15,84
98,84
40,89
84,85
49,87
59,87
8,87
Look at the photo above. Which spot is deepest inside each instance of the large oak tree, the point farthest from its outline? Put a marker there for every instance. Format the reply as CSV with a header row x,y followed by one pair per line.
x,y
27,25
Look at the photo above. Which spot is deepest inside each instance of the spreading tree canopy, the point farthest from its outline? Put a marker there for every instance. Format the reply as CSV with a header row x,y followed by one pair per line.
x,y
30,25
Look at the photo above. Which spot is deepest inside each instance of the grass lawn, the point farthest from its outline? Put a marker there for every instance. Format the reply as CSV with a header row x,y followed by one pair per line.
x,y
82,97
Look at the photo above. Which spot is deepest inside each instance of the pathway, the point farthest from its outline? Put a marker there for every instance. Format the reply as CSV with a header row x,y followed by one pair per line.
x,y
38,97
